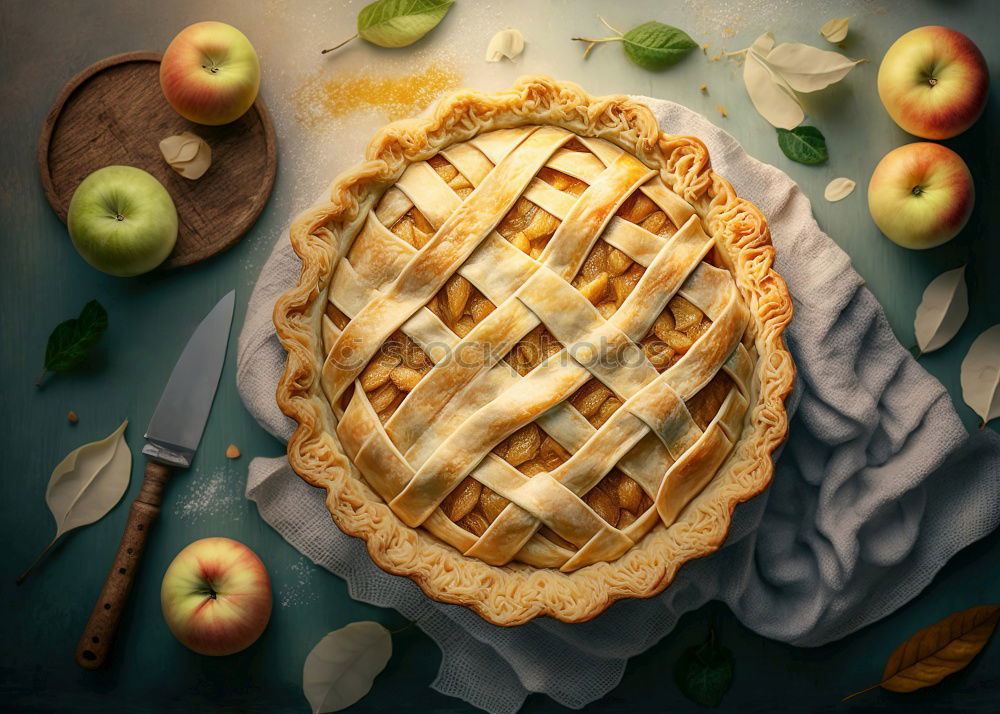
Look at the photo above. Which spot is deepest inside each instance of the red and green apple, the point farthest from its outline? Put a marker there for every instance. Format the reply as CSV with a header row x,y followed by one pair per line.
x,y
921,195
933,82
210,73
216,596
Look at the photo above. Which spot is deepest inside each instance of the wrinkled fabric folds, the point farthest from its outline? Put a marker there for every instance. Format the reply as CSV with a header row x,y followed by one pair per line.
x,y
878,485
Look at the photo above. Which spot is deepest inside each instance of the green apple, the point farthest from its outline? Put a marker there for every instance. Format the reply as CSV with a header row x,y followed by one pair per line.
x,y
921,195
216,596
122,220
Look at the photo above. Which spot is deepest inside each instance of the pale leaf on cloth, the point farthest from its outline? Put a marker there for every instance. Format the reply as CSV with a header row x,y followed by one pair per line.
x,y
341,668
981,375
942,310
863,511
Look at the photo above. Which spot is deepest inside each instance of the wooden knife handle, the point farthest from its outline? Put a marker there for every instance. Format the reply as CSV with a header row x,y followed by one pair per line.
x,y
95,644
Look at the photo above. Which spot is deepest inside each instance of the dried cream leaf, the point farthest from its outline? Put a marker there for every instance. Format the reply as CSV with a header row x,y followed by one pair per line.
x,y
981,375
838,188
341,668
807,69
187,154
942,310
771,96
506,43
835,30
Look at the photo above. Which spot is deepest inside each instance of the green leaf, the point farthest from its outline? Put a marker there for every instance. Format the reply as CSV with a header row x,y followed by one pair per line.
x,y
704,673
653,45
804,144
398,23
70,342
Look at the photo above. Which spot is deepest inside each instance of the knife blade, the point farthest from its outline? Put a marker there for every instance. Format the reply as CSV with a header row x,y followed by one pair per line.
x,y
171,440
175,430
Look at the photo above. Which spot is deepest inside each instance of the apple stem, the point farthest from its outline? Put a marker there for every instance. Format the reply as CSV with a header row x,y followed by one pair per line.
x,y
932,81
41,378
337,47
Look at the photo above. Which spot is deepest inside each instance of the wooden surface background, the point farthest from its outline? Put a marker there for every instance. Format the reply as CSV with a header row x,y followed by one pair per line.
x,y
44,281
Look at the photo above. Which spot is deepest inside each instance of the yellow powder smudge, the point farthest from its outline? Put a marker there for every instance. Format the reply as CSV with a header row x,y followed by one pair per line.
x,y
396,97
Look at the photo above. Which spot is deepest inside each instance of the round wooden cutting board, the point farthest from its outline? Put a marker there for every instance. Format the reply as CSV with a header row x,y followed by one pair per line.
x,y
114,112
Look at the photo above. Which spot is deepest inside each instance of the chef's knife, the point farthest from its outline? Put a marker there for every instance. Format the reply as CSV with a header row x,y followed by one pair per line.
x,y
171,440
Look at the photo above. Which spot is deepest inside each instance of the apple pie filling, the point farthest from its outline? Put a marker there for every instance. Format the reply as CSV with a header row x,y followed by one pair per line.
x,y
606,278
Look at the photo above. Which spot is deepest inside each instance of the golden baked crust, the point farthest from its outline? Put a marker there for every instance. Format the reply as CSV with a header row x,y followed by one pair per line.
x,y
556,551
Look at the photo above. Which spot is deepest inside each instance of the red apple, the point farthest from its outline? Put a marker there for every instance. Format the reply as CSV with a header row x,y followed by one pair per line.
x,y
921,195
933,82
210,73
216,596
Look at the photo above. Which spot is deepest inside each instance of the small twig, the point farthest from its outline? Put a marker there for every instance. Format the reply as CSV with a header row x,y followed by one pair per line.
x,y
593,42
337,47
607,25
22,576
851,696
41,378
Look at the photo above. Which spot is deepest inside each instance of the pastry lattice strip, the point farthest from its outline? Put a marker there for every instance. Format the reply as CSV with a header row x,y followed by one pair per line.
x,y
517,490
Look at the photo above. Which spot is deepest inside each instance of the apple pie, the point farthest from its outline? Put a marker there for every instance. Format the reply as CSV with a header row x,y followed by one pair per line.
x,y
535,351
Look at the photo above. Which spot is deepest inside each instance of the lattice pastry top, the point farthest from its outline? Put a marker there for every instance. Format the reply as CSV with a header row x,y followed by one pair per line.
x,y
533,340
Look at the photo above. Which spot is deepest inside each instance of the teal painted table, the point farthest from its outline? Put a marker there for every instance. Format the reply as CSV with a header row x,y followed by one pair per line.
x,y
43,281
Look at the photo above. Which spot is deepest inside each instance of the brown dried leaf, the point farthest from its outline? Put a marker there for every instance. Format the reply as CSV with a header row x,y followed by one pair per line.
x,y
934,652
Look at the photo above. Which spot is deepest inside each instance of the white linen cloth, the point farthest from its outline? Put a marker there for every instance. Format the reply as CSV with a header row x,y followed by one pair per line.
x,y
879,483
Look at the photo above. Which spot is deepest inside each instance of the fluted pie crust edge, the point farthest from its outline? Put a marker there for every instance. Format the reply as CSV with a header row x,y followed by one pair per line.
x,y
516,593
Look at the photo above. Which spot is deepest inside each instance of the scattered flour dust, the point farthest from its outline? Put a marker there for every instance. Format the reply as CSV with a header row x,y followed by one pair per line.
x,y
297,590
214,495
